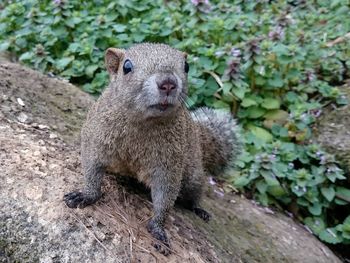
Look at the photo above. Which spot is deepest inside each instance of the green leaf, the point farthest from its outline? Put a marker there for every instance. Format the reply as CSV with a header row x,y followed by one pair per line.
x,y
340,202
293,73
226,88
276,81
261,186
89,70
246,102
166,32
328,193
330,235
346,228
241,181
315,209
260,133
206,63
280,169
63,62
255,112
269,178
316,224
26,56
74,47
119,28
88,88
4,46
239,92
302,201
276,190
347,221
343,193
218,104
271,104
263,199
291,96
283,132
277,115
123,37
280,49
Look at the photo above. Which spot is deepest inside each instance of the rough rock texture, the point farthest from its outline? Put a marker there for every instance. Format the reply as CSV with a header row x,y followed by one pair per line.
x,y
40,118
334,130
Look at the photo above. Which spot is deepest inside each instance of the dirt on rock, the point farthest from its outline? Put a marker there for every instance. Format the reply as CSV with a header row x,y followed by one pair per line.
x,y
40,119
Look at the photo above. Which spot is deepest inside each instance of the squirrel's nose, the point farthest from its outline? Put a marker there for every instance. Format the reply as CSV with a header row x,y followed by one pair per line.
x,y
167,86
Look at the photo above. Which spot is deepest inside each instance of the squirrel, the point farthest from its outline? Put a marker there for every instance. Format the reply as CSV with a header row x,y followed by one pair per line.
x,y
140,127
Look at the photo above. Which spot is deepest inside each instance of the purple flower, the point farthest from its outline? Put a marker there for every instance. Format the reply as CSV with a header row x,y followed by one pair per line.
x,y
211,181
310,76
318,153
195,2
316,113
286,19
202,5
57,2
277,33
272,157
253,46
235,52
233,71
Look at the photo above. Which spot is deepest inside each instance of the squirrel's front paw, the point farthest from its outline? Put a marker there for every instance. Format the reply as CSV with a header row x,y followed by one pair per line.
x,y
202,213
78,199
159,233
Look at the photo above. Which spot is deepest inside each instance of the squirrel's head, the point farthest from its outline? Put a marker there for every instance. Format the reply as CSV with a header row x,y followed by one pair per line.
x,y
151,79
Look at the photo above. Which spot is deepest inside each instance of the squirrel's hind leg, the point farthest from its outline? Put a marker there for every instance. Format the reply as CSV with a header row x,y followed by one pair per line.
x,y
190,195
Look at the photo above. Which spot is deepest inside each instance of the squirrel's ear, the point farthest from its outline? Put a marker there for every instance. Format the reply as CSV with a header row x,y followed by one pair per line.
x,y
113,57
185,54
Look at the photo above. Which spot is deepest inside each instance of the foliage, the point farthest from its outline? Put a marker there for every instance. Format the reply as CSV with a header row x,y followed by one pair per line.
x,y
266,61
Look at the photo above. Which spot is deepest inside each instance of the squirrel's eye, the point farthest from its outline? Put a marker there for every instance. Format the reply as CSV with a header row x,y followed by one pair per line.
x,y
187,67
127,66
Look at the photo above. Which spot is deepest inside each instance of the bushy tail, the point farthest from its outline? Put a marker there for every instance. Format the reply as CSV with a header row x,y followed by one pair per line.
x,y
220,139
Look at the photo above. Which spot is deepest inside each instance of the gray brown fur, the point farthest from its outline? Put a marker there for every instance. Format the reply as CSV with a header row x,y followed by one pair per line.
x,y
128,132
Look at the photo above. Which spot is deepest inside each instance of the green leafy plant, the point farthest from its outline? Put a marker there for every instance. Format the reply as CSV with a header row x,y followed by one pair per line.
x,y
269,62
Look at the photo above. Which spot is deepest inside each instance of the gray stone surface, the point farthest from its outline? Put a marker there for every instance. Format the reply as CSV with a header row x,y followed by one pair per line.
x,y
333,130
39,162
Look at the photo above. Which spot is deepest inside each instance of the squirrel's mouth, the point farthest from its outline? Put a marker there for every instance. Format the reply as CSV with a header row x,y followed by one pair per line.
x,y
162,106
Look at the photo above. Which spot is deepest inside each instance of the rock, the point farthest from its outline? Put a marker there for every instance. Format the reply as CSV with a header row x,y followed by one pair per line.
x,y
53,136
22,117
333,131
20,102
36,170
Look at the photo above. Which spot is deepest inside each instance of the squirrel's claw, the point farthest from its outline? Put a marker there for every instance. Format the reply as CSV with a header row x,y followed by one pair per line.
x,y
76,199
202,213
159,233
162,248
